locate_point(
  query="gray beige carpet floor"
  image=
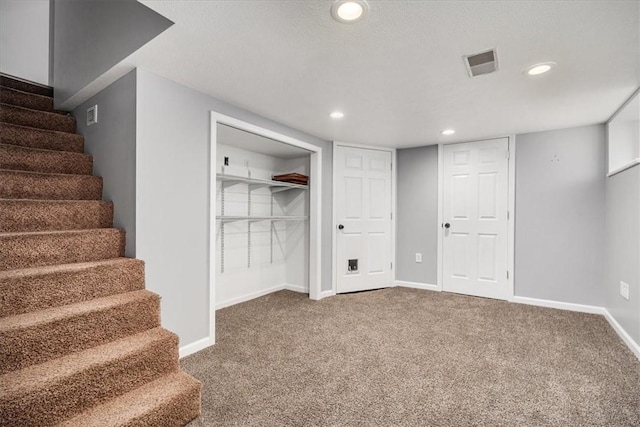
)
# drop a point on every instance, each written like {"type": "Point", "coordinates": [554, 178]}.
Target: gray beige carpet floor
{"type": "Point", "coordinates": [405, 357]}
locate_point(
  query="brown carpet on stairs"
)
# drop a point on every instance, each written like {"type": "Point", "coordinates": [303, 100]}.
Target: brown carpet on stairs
{"type": "Point", "coordinates": [406, 357]}
{"type": "Point", "coordinates": [80, 337]}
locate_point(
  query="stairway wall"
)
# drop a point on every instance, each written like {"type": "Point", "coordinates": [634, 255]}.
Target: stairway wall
{"type": "Point", "coordinates": [112, 142]}
{"type": "Point", "coordinates": [24, 49]}
{"type": "Point", "coordinates": [91, 37]}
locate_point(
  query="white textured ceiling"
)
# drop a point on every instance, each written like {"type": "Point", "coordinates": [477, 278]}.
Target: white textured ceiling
{"type": "Point", "coordinates": [399, 76]}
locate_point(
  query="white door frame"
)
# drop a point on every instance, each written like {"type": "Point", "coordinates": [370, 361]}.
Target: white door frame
{"type": "Point", "coordinates": [511, 207]}
{"type": "Point", "coordinates": [334, 223]}
{"type": "Point", "coordinates": [315, 194]}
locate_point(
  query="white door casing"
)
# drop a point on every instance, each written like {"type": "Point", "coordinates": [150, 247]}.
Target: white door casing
{"type": "Point", "coordinates": [363, 206]}
{"type": "Point", "coordinates": [475, 206]}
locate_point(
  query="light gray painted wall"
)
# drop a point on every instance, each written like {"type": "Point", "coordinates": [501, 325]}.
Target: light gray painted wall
{"type": "Point", "coordinates": [24, 39]}
{"type": "Point", "coordinates": [172, 216]}
{"type": "Point", "coordinates": [90, 37]}
{"type": "Point", "coordinates": [417, 214]}
{"type": "Point", "coordinates": [560, 215]}
{"type": "Point", "coordinates": [623, 249]}
{"type": "Point", "coordinates": [112, 142]}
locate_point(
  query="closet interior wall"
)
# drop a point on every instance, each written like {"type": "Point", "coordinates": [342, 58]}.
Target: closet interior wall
{"type": "Point", "coordinates": [257, 257]}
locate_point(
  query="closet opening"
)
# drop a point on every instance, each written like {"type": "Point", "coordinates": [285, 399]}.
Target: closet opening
{"type": "Point", "coordinates": [265, 194]}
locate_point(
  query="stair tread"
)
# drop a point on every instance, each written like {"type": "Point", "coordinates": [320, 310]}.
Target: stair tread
{"type": "Point", "coordinates": [42, 150]}
{"type": "Point", "coordinates": [46, 374]}
{"type": "Point", "coordinates": [48, 174]}
{"type": "Point", "coordinates": [52, 314]}
{"type": "Point", "coordinates": [72, 138]}
{"type": "Point", "coordinates": [14, 96]}
{"type": "Point", "coordinates": [56, 114]}
{"type": "Point", "coordinates": [61, 232]}
{"type": "Point", "coordinates": [136, 403]}
{"type": "Point", "coordinates": [10, 113]}
{"type": "Point", "coordinates": [49, 269]}
{"type": "Point", "coordinates": [28, 86]}
{"type": "Point", "coordinates": [27, 159]}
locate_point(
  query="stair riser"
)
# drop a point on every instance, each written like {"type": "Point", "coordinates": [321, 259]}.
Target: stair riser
{"type": "Point", "coordinates": [38, 138]}
{"type": "Point", "coordinates": [172, 400]}
{"type": "Point", "coordinates": [22, 347]}
{"type": "Point", "coordinates": [35, 250]}
{"type": "Point", "coordinates": [16, 185]}
{"type": "Point", "coordinates": [7, 81]}
{"type": "Point", "coordinates": [26, 293]}
{"type": "Point", "coordinates": [37, 119]}
{"type": "Point", "coordinates": [177, 412]}
{"type": "Point", "coordinates": [78, 391]}
{"type": "Point", "coordinates": [26, 100]}
{"type": "Point", "coordinates": [47, 161]}
{"type": "Point", "coordinates": [36, 215]}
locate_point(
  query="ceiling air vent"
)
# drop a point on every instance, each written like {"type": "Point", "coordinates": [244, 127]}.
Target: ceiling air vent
{"type": "Point", "coordinates": [481, 63]}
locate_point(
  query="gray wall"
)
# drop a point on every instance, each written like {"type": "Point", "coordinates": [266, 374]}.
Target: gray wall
{"type": "Point", "coordinates": [112, 142]}
{"type": "Point", "coordinates": [172, 216]}
{"type": "Point", "coordinates": [90, 37]}
{"type": "Point", "coordinates": [417, 214]}
{"type": "Point", "coordinates": [24, 39]}
{"type": "Point", "coordinates": [623, 249]}
{"type": "Point", "coordinates": [560, 215]}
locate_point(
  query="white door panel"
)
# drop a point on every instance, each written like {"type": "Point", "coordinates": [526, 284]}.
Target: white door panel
{"type": "Point", "coordinates": [475, 206]}
{"type": "Point", "coordinates": [363, 209]}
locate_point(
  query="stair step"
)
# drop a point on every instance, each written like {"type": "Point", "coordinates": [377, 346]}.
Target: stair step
{"type": "Point", "coordinates": [38, 288]}
{"type": "Point", "coordinates": [25, 85]}
{"type": "Point", "coordinates": [54, 391]}
{"type": "Point", "coordinates": [50, 161]}
{"type": "Point", "coordinates": [172, 400]}
{"type": "Point", "coordinates": [35, 249]}
{"type": "Point", "coordinates": [31, 137]}
{"type": "Point", "coordinates": [36, 337]}
{"type": "Point", "coordinates": [21, 215]}
{"type": "Point", "coordinates": [37, 119]}
{"type": "Point", "coordinates": [25, 99]}
{"type": "Point", "coordinates": [49, 186]}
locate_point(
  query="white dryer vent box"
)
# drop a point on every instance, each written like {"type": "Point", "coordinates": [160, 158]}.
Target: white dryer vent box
{"type": "Point", "coordinates": [481, 63]}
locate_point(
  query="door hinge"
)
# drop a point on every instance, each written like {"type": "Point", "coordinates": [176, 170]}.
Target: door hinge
{"type": "Point", "coordinates": [507, 214]}
{"type": "Point", "coordinates": [391, 215]}
{"type": "Point", "coordinates": [392, 266]}
{"type": "Point", "coordinates": [508, 154]}
{"type": "Point", "coordinates": [507, 274]}
{"type": "Point", "coordinates": [391, 166]}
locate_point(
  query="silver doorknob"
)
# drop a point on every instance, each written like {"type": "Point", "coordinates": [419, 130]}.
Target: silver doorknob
{"type": "Point", "coordinates": [447, 225]}
{"type": "Point", "coordinates": [340, 227]}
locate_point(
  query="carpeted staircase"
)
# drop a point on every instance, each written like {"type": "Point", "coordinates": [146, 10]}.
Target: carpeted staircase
{"type": "Point", "coordinates": [80, 337]}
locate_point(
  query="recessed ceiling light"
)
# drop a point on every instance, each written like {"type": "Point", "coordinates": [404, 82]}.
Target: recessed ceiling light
{"type": "Point", "coordinates": [540, 68]}
{"type": "Point", "coordinates": [336, 115]}
{"type": "Point", "coordinates": [349, 10]}
{"type": "Point", "coordinates": [448, 132]}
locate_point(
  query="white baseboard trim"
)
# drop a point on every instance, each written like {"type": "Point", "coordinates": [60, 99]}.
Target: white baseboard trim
{"type": "Point", "coordinates": [416, 285]}
{"type": "Point", "coordinates": [559, 305]}
{"type": "Point", "coordinates": [296, 288]}
{"type": "Point", "coordinates": [626, 338]}
{"type": "Point", "coordinates": [248, 297]}
{"type": "Point", "coordinates": [195, 347]}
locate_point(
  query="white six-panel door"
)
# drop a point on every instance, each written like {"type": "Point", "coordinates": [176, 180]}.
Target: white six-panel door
{"type": "Point", "coordinates": [475, 222]}
{"type": "Point", "coordinates": [363, 214]}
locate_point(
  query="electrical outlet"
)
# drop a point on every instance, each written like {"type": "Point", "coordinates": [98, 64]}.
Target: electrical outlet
{"type": "Point", "coordinates": [418, 257]}
{"type": "Point", "coordinates": [624, 290]}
